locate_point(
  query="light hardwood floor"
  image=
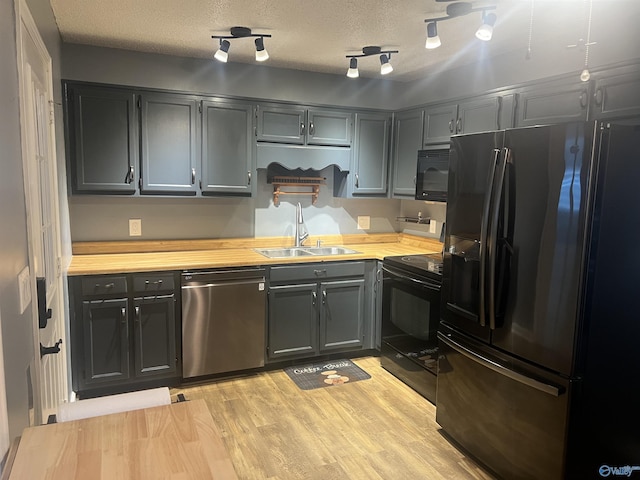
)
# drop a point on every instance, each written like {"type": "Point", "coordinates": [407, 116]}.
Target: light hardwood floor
{"type": "Point", "coordinates": [372, 429]}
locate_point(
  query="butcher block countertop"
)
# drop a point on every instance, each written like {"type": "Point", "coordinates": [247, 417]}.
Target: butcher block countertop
{"type": "Point", "coordinates": [90, 258]}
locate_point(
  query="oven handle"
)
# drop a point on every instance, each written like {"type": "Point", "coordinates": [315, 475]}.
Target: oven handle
{"type": "Point", "coordinates": [396, 273]}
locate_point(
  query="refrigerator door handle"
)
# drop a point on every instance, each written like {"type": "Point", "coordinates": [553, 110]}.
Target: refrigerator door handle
{"type": "Point", "coordinates": [484, 231]}
{"type": "Point", "coordinates": [492, 240]}
{"type": "Point", "coordinates": [502, 370]}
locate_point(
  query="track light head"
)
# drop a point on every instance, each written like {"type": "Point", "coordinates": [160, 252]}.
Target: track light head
{"type": "Point", "coordinates": [385, 66]}
{"type": "Point", "coordinates": [485, 32]}
{"type": "Point", "coordinates": [222, 55]}
{"type": "Point", "coordinates": [433, 40]}
{"type": "Point", "coordinates": [353, 68]}
{"type": "Point", "coordinates": [261, 52]}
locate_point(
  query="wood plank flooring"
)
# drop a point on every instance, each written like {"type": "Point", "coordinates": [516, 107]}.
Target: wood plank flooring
{"type": "Point", "coordinates": [372, 429]}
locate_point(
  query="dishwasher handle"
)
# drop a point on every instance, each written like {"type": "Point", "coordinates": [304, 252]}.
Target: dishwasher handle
{"type": "Point", "coordinates": [216, 276]}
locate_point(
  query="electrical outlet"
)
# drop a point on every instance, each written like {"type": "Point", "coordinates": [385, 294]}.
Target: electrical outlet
{"type": "Point", "coordinates": [433, 225]}
{"type": "Point", "coordinates": [135, 227]}
{"type": "Point", "coordinates": [364, 222]}
{"type": "Point", "coordinates": [24, 288]}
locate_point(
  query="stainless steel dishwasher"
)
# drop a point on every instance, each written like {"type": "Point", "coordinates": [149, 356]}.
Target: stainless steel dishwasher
{"type": "Point", "coordinates": [223, 321]}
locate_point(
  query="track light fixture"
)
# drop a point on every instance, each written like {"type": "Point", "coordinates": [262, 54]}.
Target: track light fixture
{"type": "Point", "coordinates": [459, 9]}
{"type": "Point", "coordinates": [385, 57]}
{"type": "Point", "coordinates": [241, 32]}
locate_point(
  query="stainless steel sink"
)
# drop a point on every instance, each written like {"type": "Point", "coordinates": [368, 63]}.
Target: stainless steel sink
{"type": "Point", "coordinates": [303, 251]}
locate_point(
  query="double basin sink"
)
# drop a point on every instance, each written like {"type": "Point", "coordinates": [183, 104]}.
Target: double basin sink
{"type": "Point", "coordinates": [303, 251]}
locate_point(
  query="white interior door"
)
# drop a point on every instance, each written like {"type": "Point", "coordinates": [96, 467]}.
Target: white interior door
{"type": "Point", "coordinates": [41, 192]}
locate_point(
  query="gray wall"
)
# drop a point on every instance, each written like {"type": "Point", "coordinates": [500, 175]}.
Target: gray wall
{"type": "Point", "coordinates": [17, 326]}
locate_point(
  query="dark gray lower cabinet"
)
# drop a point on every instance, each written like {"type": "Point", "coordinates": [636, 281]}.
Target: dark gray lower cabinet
{"type": "Point", "coordinates": [124, 332]}
{"type": "Point", "coordinates": [316, 309]}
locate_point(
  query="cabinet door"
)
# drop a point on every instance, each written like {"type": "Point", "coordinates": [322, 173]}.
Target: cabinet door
{"type": "Point", "coordinates": [617, 96]}
{"type": "Point", "coordinates": [552, 103]}
{"type": "Point", "coordinates": [407, 132]}
{"type": "Point", "coordinates": [371, 150]}
{"type": "Point", "coordinates": [293, 321]}
{"type": "Point", "coordinates": [326, 127]}
{"type": "Point", "coordinates": [281, 124]}
{"type": "Point", "coordinates": [440, 123]}
{"type": "Point", "coordinates": [103, 139]}
{"type": "Point", "coordinates": [105, 328]}
{"type": "Point", "coordinates": [169, 141]}
{"type": "Point", "coordinates": [342, 315]}
{"type": "Point", "coordinates": [227, 147]}
{"type": "Point", "coordinates": [480, 115]}
{"type": "Point", "coordinates": [154, 324]}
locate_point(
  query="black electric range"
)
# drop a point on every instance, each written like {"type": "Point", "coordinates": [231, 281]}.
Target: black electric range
{"type": "Point", "coordinates": [410, 318]}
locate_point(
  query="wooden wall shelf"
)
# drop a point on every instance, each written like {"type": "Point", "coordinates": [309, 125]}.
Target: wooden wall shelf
{"type": "Point", "coordinates": [296, 183]}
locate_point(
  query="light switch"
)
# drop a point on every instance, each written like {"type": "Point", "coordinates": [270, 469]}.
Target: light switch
{"type": "Point", "coordinates": [135, 227]}
{"type": "Point", "coordinates": [24, 288]}
{"type": "Point", "coordinates": [364, 222]}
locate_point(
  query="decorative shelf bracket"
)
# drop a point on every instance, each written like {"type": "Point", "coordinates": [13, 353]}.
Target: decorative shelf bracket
{"type": "Point", "coordinates": [296, 182]}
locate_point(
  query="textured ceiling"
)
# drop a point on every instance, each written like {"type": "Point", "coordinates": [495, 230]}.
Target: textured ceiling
{"type": "Point", "coordinates": [315, 35]}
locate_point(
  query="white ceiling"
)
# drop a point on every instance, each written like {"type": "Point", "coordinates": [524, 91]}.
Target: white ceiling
{"type": "Point", "coordinates": [315, 35]}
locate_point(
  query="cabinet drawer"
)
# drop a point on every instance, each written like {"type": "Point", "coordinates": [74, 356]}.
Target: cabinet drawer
{"type": "Point", "coordinates": [104, 285]}
{"type": "Point", "coordinates": [316, 271]}
{"type": "Point", "coordinates": [153, 282]}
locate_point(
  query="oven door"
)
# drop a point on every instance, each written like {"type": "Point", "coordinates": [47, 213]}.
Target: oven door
{"type": "Point", "coordinates": [410, 317]}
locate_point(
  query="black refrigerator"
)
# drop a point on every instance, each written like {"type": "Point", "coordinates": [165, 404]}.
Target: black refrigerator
{"type": "Point", "coordinates": [539, 365]}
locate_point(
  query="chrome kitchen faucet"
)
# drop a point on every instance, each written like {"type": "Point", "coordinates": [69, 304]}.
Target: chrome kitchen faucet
{"type": "Point", "coordinates": [301, 229]}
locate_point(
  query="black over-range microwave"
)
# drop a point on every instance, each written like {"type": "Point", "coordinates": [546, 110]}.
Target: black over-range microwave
{"type": "Point", "coordinates": [433, 175]}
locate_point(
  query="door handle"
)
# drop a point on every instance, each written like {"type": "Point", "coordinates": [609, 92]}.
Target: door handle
{"type": "Point", "coordinates": [49, 350]}
{"type": "Point", "coordinates": [137, 313]}
{"type": "Point", "coordinates": [312, 129]}
{"type": "Point", "coordinates": [598, 96]}
{"type": "Point", "coordinates": [130, 173]}
{"type": "Point", "coordinates": [324, 296]}
{"type": "Point", "coordinates": [451, 125]}
{"type": "Point", "coordinates": [314, 297]}
{"type": "Point", "coordinates": [193, 176]}
{"type": "Point", "coordinates": [302, 129]}
{"type": "Point", "coordinates": [502, 370]}
{"type": "Point", "coordinates": [459, 125]}
{"type": "Point", "coordinates": [357, 181]}
{"type": "Point", "coordinates": [248, 178]}
{"type": "Point", "coordinates": [44, 313]}
{"type": "Point", "coordinates": [123, 314]}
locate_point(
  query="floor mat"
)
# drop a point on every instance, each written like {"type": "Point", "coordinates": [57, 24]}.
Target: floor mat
{"type": "Point", "coordinates": [326, 374]}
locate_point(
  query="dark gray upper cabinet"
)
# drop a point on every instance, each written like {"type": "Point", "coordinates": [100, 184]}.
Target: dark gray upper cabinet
{"type": "Point", "coordinates": [102, 133]}
{"type": "Point", "coordinates": [553, 102]}
{"type": "Point", "coordinates": [303, 126]}
{"type": "Point", "coordinates": [440, 123]}
{"type": "Point", "coordinates": [481, 114]}
{"type": "Point", "coordinates": [616, 94]}
{"type": "Point", "coordinates": [169, 131]}
{"type": "Point", "coordinates": [407, 140]}
{"type": "Point", "coordinates": [227, 146]}
{"type": "Point", "coordinates": [371, 154]}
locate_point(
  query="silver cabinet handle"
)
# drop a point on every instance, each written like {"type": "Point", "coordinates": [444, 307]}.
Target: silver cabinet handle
{"type": "Point", "coordinates": [459, 125]}
{"type": "Point", "coordinates": [320, 272]}
{"type": "Point", "coordinates": [130, 174]}
{"type": "Point", "coordinates": [598, 96]}
{"type": "Point", "coordinates": [248, 178]}
{"type": "Point", "coordinates": [157, 282]}
{"type": "Point", "coordinates": [451, 125]}
{"type": "Point", "coordinates": [107, 286]}
{"type": "Point", "coordinates": [357, 181]}
{"type": "Point", "coordinates": [312, 129]}
{"type": "Point", "coordinates": [137, 312]}
{"type": "Point", "coordinates": [302, 129]}
{"type": "Point", "coordinates": [324, 296]}
{"type": "Point", "coordinates": [123, 314]}
{"type": "Point", "coordinates": [193, 176]}
{"type": "Point", "coordinates": [583, 99]}
{"type": "Point", "coordinates": [314, 297]}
